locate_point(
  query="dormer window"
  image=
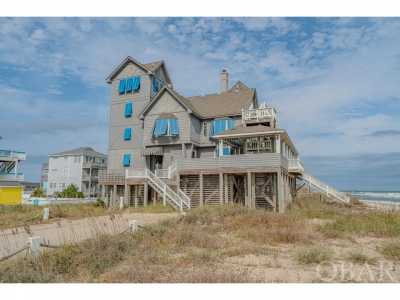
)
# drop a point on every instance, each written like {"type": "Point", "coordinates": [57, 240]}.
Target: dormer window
{"type": "Point", "coordinates": [166, 127]}
{"type": "Point", "coordinates": [220, 125]}
{"type": "Point", "coordinates": [156, 85]}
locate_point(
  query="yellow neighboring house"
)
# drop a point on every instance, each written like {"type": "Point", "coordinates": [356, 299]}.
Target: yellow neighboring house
{"type": "Point", "coordinates": [10, 195]}
{"type": "Point", "coordinates": [10, 187]}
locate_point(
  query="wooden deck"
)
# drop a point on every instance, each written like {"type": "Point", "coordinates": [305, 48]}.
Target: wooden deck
{"type": "Point", "coordinates": [243, 163]}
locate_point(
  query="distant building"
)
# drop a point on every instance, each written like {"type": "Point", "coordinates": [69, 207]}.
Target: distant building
{"type": "Point", "coordinates": [29, 187]}
{"type": "Point", "coordinates": [11, 177]}
{"type": "Point", "coordinates": [79, 167]}
{"type": "Point", "coordinates": [44, 176]}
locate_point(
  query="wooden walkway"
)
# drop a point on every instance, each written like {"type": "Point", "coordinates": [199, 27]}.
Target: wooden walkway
{"type": "Point", "coordinates": [73, 231]}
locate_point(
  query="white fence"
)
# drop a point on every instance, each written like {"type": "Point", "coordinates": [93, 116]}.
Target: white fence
{"type": "Point", "coordinates": [57, 201]}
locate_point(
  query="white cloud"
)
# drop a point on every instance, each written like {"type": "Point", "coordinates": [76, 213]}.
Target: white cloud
{"type": "Point", "coordinates": [281, 26]}
{"type": "Point", "coordinates": [326, 82]}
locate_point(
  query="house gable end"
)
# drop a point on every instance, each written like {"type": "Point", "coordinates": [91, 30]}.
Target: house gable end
{"type": "Point", "coordinates": [121, 67]}
{"type": "Point", "coordinates": [160, 96]}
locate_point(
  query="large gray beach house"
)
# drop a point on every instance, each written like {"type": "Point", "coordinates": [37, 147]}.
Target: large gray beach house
{"type": "Point", "coordinates": [192, 151]}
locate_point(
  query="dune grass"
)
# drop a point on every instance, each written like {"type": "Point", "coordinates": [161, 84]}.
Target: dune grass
{"type": "Point", "coordinates": [313, 255]}
{"type": "Point", "coordinates": [360, 258]}
{"type": "Point", "coordinates": [372, 223]}
{"type": "Point", "coordinates": [391, 250]}
{"type": "Point", "coordinates": [21, 215]}
{"type": "Point", "coordinates": [186, 249]}
{"type": "Point", "coordinates": [196, 247]}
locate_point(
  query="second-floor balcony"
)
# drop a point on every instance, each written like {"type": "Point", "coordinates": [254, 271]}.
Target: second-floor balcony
{"type": "Point", "coordinates": [295, 165]}
{"type": "Point", "coordinates": [4, 176]}
{"type": "Point", "coordinates": [259, 115]}
{"type": "Point", "coordinates": [10, 155]}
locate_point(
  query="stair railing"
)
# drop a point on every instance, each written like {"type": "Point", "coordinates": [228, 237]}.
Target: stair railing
{"type": "Point", "coordinates": [326, 188]}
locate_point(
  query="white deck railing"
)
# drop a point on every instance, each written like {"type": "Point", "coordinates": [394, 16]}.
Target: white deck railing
{"type": "Point", "coordinates": [166, 173]}
{"type": "Point", "coordinates": [258, 114]}
{"type": "Point", "coordinates": [295, 165]}
{"type": "Point", "coordinates": [326, 189]}
{"type": "Point", "coordinates": [11, 177]}
{"type": "Point", "coordinates": [12, 155]}
{"type": "Point", "coordinates": [177, 199]}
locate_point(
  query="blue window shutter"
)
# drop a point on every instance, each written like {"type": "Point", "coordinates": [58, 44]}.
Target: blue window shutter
{"type": "Point", "coordinates": [220, 125]}
{"type": "Point", "coordinates": [230, 123]}
{"type": "Point", "coordinates": [155, 85]}
{"type": "Point", "coordinates": [126, 160]}
{"type": "Point", "coordinates": [136, 83]}
{"type": "Point", "coordinates": [121, 87]}
{"type": "Point", "coordinates": [174, 127]}
{"type": "Point", "coordinates": [226, 150]}
{"type": "Point", "coordinates": [127, 134]}
{"type": "Point", "coordinates": [129, 84]}
{"type": "Point", "coordinates": [128, 109]}
{"type": "Point", "coordinates": [160, 127]}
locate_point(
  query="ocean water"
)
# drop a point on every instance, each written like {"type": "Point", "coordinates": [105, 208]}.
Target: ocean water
{"type": "Point", "coordinates": [377, 196]}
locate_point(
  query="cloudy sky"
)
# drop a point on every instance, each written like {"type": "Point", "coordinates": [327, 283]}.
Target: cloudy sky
{"type": "Point", "coordinates": [334, 81]}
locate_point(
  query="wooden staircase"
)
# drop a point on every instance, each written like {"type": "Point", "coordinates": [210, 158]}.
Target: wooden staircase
{"type": "Point", "coordinates": [170, 194]}
{"type": "Point", "coordinates": [330, 192]}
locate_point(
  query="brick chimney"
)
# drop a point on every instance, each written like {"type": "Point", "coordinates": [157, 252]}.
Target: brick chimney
{"type": "Point", "coordinates": [224, 80]}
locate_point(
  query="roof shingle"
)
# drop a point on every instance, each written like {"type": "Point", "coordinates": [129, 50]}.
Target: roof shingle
{"type": "Point", "coordinates": [79, 151]}
{"type": "Point", "coordinates": [227, 103]}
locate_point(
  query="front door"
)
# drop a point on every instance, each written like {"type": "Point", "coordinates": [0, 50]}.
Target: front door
{"type": "Point", "coordinates": [155, 162]}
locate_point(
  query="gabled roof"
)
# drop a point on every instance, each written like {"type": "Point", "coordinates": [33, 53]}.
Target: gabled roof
{"type": "Point", "coordinates": [229, 103]}
{"type": "Point", "coordinates": [79, 151]}
{"type": "Point", "coordinates": [179, 98]}
{"type": "Point", "coordinates": [150, 68]}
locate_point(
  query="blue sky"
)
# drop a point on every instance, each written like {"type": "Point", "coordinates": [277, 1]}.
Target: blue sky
{"type": "Point", "coordinates": [334, 81]}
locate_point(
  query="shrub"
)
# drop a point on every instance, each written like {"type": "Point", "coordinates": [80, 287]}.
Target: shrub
{"type": "Point", "coordinates": [70, 191]}
{"type": "Point", "coordinates": [100, 203]}
{"type": "Point", "coordinates": [314, 255]}
{"type": "Point", "coordinates": [38, 192]}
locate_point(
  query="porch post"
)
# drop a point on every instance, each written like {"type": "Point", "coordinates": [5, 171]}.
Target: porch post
{"type": "Point", "coordinates": [115, 196]}
{"type": "Point", "coordinates": [221, 148]}
{"type": "Point", "coordinates": [183, 150]}
{"type": "Point", "coordinates": [278, 143]}
{"type": "Point", "coordinates": [226, 188]}
{"type": "Point", "coordinates": [126, 194]}
{"type": "Point", "coordinates": [201, 189]}
{"type": "Point", "coordinates": [253, 190]}
{"type": "Point", "coordinates": [249, 190]}
{"type": "Point", "coordinates": [221, 188]}
{"type": "Point", "coordinates": [146, 193]}
{"type": "Point", "coordinates": [281, 196]}
{"type": "Point", "coordinates": [103, 192]}
{"type": "Point", "coordinates": [136, 187]}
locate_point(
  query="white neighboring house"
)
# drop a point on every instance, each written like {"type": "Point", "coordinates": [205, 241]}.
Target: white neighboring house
{"type": "Point", "coordinates": [79, 167]}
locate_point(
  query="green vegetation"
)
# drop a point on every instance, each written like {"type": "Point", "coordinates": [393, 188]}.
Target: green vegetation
{"type": "Point", "coordinates": [371, 223]}
{"type": "Point", "coordinates": [38, 192]}
{"type": "Point", "coordinates": [70, 191]}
